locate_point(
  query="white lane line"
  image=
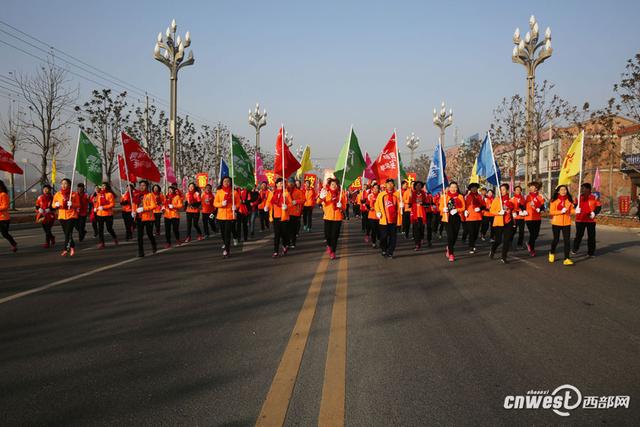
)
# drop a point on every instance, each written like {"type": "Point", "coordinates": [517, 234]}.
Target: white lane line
{"type": "Point", "coordinates": [527, 262]}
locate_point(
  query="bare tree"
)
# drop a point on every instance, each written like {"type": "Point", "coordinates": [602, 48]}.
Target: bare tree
{"type": "Point", "coordinates": [509, 131]}
{"type": "Point", "coordinates": [629, 89]}
{"type": "Point", "coordinates": [48, 98]}
{"type": "Point", "coordinates": [12, 133]}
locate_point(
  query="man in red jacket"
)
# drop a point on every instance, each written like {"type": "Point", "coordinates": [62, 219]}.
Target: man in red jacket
{"type": "Point", "coordinates": [588, 207]}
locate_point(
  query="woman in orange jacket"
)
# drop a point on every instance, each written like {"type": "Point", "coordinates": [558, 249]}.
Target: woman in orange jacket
{"type": "Point", "coordinates": [192, 201]}
{"type": "Point", "coordinates": [103, 208]}
{"type": "Point", "coordinates": [45, 215]}
{"type": "Point", "coordinates": [4, 216]}
{"type": "Point", "coordinates": [334, 202]}
{"type": "Point", "coordinates": [208, 211]}
{"type": "Point", "coordinates": [519, 214]}
{"type": "Point", "coordinates": [589, 206]}
{"type": "Point", "coordinates": [295, 211]}
{"type": "Point", "coordinates": [389, 206]}
{"type": "Point", "coordinates": [127, 217]}
{"type": "Point", "coordinates": [226, 202]}
{"type": "Point", "coordinates": [473, 213]}
{"type": "Point", "coordinates": [172, 206]}
{"type": "Point", "coordinates": [418, 212]}
{"type": "Point", "coordinates": [560, 208]}
{"type": "Point", "coordinates": [67, 203]}
{"type": "Point", "coordinates": [452, 207]}
{"type": "Point", "coordinates": [534, 203]}
{"type": "Point", "coordinates": [264, 214]}
{"type": "Point", "coordinates": [144, 203]}
{"type": "Point", "coordinates": [278, 205]}
{"type": "Point", "coordinates": [157, 212]}
{"type": "Point", "coordinates": [309, 201]}
{"type": "Point", "coordinates": [487, 216]}
{"type": "Point", "coordinates": [373, 227]}
{"type": "Point", "coordinates": [503, 209]}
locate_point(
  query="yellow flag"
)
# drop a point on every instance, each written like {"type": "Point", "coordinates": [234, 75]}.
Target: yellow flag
{"type": "Point", "coordinates": [474, 178]}
{"type": "Point", "coordinates": [305, 162]}
{"type": "Point", "coordinates": [53, 171]}
{"type": "Point", "coordinates": [572, 163]}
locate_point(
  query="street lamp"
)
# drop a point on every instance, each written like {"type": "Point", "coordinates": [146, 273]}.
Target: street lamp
{"type": "Point", "coordinates": [530, 52]}
{"type": "Point", "coordinates": [412, 143]}
{"type": "Point", "coordinates": [170, 51]}
{"type": "Point", "coordinates": [288, 139]}
{"type": "Point", "coordinates": [442, 120]}
{"type": "Point", "coordinates": [258, 120]}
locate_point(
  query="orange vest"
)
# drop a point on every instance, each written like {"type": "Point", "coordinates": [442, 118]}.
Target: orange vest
{"type": "Point", "coordinates": [309, 197]}
{"type": "Point", "coordinates": [331, 211]}
{"type": "Point", "coordinates": [559, 218]}
{"type": "Point", "coordinates": [473, 201]}
{"type": "Point", "coordinates": [299, 197]}
{"type": "Point", "coordinates": [159, 202]}
{"type": "Point", "coordinates": [533, 203]}
{"type": "Point", "coordinates": [148, 205]}
{"type": "Point", "coordinates": [381, 207]}
{"type": "Point", "coordinates": [507, 206]}
{"type": "Point", "coordinates": [444, 201]}
{"type": "Point", "coordinates": [63, 212]}
{"type": "Point", "coordinates": [225, 213]}
{"type": "Point", "coordinates": [107, 205]}
{"type": "Point", "coordinates": [176, 201]}
{"type": "Point", "coordinates": [207, 202]}
{"type": "Point", "coordinates": [4, 207]}
{"type": "Point", "coordinates": [275, 209]}
{"type": "Point", "coordinates": [126, 206]}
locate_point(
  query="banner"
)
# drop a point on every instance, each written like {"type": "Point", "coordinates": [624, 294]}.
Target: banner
{"type": "Point", "coordinates": [88, 160]}
{"type": "Point", "coordinates": [411, 178]}
{"type": "Point", "coordinates": [271, 177]}
{"type": "Point", "coordinates": [202, 179]}
{"type": "Point", "coordinates": [356, 184]}
{"type": "Point", "coordinates": [8, 164]}
{"type": "Point", "coordinates": [312, 178]}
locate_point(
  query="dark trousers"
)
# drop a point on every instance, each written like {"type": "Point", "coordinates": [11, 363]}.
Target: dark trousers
{"type": "Point", "coordinates": [281, 231]}
{"type": "Point", "coordinates": [141, 227]}
{"type": "Point", "coordinates": [487, 223]}
{"type": "Point", "coordinates": [81, 225]}
{"type": "Point", "coordinates": [453, 228]}
{"type": "Point", "coordinates": [534, 232]}
{"type": "Point", "coordinates": [374, 230]}
{"type": "Point", "coordinates": [128, 224]}
{"type": "Point", "coordinates": [418, 231]}
{"type": "Point", "coordinates": [365, 221]}
{"type": "Point", "coordinates": [4, 230]}
{"type": "Point", "coordinates": [294, 228]}
{"type": "Point", "coordinates": [429, 226]}
{"type": "Point", "coordinates": [388, 238]}
{"type": "Point", "coordinates": [504, 236]}
{"type": "Point", "coordinates": [591, 236]}
{"type": "Point", "coordinates": [157, 217]}
{"type": "Point", "coordinates": [47, 226]}
{"type": "Point", "coordinates": [473, 228]}
{"type": "Point", "coordinates": [520, 231]}
{"type": "Point", "coordinates": [406, 223]}
{"type": "Point", "coordinates": [193, 218]}
{"type": "Point", "coordinates": [307, 215]}
{"type": "Point", "coordinates": [242, 226]}
{"type": "Point", "coordinates": [67, 226]}
{"type": "Point", "coordinates": [346, 211]}
{"type": "Point", "coordinates": [437, 223]}
{"type": "Point", "coordinates": [566, 237]}
{"type": "Point", "coordinates": [208, 222]}
{"type": "Point", "coordinates": [108, 221]}
{"type": "Point", "coordinates": [465, 231]}
{"type": "Point", "coordinates": [226, 229]}
{"type": "Point", "coordinates": [94, 226]}
{"type": "Point", "coordinates": [172, 224]}
{"type": "Point", "coordinates": [264, 220]}
{"type": "Point", "coordinates": [332, 233]}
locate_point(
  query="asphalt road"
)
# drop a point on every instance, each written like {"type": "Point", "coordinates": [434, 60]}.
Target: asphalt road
{"type": "Point", "coordinates": [187, 338]}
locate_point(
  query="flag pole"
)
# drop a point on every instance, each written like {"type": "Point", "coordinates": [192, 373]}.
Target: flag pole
{"type": "Point", "coordinates": [119, 178]}
{"type": "Point", "coordinates": [73, 167]}
{"type": "Point", "coordinates": [401, 197]}
{"type": "Point", "coordinates": [126, 171]}
{"type": "Point", "coordinates": [346, 158]}
{"type": "Point", "coordinates": [233, 178]}
{"type": "Point", "coordinates": [495, 169]}
{"type": "Point", "coordinates": [284, 178]}
{"type": "Point", "coordinates": [581, 161]}
{"type": "Point", "coordinates": [164, 160]}
{"type": "Point", "coordinates": [440, 149]}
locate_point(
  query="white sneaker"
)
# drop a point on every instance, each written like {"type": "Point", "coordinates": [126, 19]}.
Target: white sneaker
{"type": "Point", "coordinates": [235, 242]}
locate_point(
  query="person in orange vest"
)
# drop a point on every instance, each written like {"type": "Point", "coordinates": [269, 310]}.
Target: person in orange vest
{"type": "Point", "coordinates": [417, 212]}
{"type": "Point", "coordinates": [103, 208]}
{"type": "Point", "coordinates": [67, 203]}
{"type": "Point", "coordinates": [127, 217]}
{"type": "Point", "coordinates": [172, 206]}
{"type": "Point", "coordinates": [192, 201]}
{"type": "Point", "coordinates": [83, 211]}
{"type": "Point", "coordinates": [45, 215]}
{"type": "Point", "coordinates": [519, 214]}
{"type": "Point", "coordinates": [295, 212]}
{"type": "Point", "coordinates": [373, 229]}
{"type": "Point", "coordinates": [534, 203]}
{"type": "Point", "coordinates": [334, 203]}
{"type": "Point", "coordinates": [405, 195]}
{"type": "Point", "coordinates": [144, 204]}
{"type": "Point", "coordinates": [226, 202]}
{"type": "Point", "coordinates": [560, 208]}
{"type": "Point", "coordinates": [503, 209]}
{"type": "Point", "coordinates": [307, 209]}
{"type": "Point", "coordinates": [157, 212]}
{"type": "Point", "coordinates": [208, 215]}
{"type": "Point", "coordinates": [361, 199]}
{"type": "Point", "coordinates": [588, 207]}
{"type": "Point", "coordinates": [487, 216]}
{"type": "Point", "coordinates": [4, 216]}
{"type": "Point", "coordinates": [278, 205]}
{"type": "Point", "coordinates": [474, 214]}
{"type": "Point", "coordinates": [242, 215]}
{"type": "Point", "coordinates": [264, 215]}
{"type": "Point", "coordinates": [452, 207]}
{"type": "Point", "coordinates": [389, 206]}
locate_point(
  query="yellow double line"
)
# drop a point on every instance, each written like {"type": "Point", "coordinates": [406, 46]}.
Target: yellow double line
{"type": "Point", "coordinates": [332, 405]}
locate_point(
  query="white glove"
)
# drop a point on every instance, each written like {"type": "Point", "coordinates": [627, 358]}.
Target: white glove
{"type": "Point", "coordinates": [234, 208]}
{"type": "Point", "coordinates": [47, 210]}
{"type": "Point", "coordinates": [578, 210]}
{"type": "Point", "coordinates": [56, 205]}
{"type": "Point", "coordinates": [401, 205]}
{"type": "Point", "coordinates": [140, 210]}
{"type": "Point", "coordinates": [564, 210]}
{"type": "Point", "coordinates": [524, 213]}
{"type": "Point", "coordinates": [445, 210]}
{"type": "Point", "coordinates": [69, 204]}
{"type": "Point", "coordinates": [538, 210]}
{"type": "Point", "coordinates": [592, 215]}
{"type": "Point", "coordinates": [133, 215]}
{"type": "Point", "coordinates": [170, 206]}
{"type": "Point", "coordinates": [323, 193]}
{"type": "Point", "coordinates": [501, 212]}
{"type": "Point", "coordinates": [212, 217]}
{"type": "Point", "coordinates": [284, 207]}
{"type": "Point", "coordinates": [453, 211]}
{"type": "Point", "coordinates": [476, 209]}
{"type": "Point", "coordinates": [41, 210]}
{"type": "Point", "coordinates": [339, 205]}
{"type": "Point", "coordinates": [100, 208]}
{"type": "Point", "coordinates": [379, 214]}
{"type": "Point", "coordinates": [266, 209]}
{"type": "Point", "coordinates": [294, 203]}
{"type": "Point", "coordinates": [224, 203]}
{"type": "Point", "coordinates": [466, 213]}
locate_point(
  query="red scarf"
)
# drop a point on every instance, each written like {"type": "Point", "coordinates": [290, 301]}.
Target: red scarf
{"type": "Point", "coordinates": [519, 201]}
{"type": "Point", "coordinates": [103, 197]}
{"type": "Point", "coordinates": [561, 201]}
{"type": "Point", "coordinates": [278, 197]}
{"type": "Point", "coordinates": [191, 197]}
{"type": "Point", "coordinates": [533, 198]}
{"type": "Point", "coordinates": [454, 197]}
{"type": "Point", "coordinates": [65, 197]}
{"type": "Point", "coordinates": [158, 197]}
{"type": "Point", "coordinates": [46, 200]}
{"type": "Point", "coordinates": [140, 197]}
{"type": "Point", "coordinates": [390, 205]}
{"type": "Point", "coordinates": [507, 204]}
{"type": "Point", "coordinates": [335, 196]}
{"type": "Point", "coordinates": [227, 194]}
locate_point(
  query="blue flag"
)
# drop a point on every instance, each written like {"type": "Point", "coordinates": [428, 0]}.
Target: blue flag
{"type": "Point", "coordinates": [224, 170]}
{"type": "Point", "coordinates": [487, 165]}
{"type": "Point", "coordinates": [437, 175]}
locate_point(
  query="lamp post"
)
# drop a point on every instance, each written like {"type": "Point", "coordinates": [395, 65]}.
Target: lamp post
{"type": "Point", "coordinates": [442, 120]}
{"type": "Point", "coordinates": [288, 139]}
{"type": "Point", "coordinates": [258, 120]}
{"type": "Point", "coordinates": [412, 143]}
{"type": "Point", "coordinates": [530, 52]}
{"type": "Point", "coordinates": [170, 50]}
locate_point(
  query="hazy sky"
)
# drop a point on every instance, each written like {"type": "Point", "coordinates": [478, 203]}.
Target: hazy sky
{"type": "Point", "coordinates": [320, 67]}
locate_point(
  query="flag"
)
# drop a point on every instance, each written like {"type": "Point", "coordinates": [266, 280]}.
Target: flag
{"type": "Point", "coordinates": [8, 164]}
{"type": "Point", "coordinates": [271, 177]}
{"type": "Point", "coordinates": [368, 172]}
{"type": "Point", "coordinates": [138, 161]}
{"type": "Point", "coordinates": [241, 165]}
{"type": "Point", "coordinates": [288, 162]}
{"type": "Point", "coordinates": [305, 163]}
{"type": "Point", "coordinates": [350, 164]}
{"type": "Point", "coordinates": [486, 164]}
{"type": "Point", "coordinates": [88, 160]}
{"type": "Point", "coordinates": [386, 165]}
{"type": "Point", "coordinates": [596, 180]}
{"type": "Point", "coordinates": [474, 178]}
{"type": "Point", "coordinates": [53, 171]}
{"type": "Point", "coordinates": [437, 178]}
{"type": "Point", "coordinates": [403, 173]}
{"type": "Point", "coordinates": [224, 171]}
{"type": "Point", "coordinates": [185, 184]}
{"type": "Point", "coordinates": [572, 163]}
{"type": "Point", "coordinates": [122, 169]}
{"type": "Point", "coordinates": [169, 174]}
{"type": "Point", "coordinates": [261, 176]}
{"type": "Point", "coordinates": [312, 178]}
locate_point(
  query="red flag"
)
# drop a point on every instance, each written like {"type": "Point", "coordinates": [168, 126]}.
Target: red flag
{"type": "Point", "coordinates": [386, 165]}
{"type": "Point", "coordinates": [121, 168]}
{"type": "Point", "coordinates": [7, 163]}
{"type": "Point", "coordinates": [291, 164]}
{"type": "Point", "coordinates": [138, 161]}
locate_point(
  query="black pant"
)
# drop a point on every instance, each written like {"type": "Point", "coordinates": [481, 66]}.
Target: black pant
{"type": "Point", "coordinates": [81, 226]}
{"type": "Point", "coordinates": [374, 230]}
{"type": "Point", "coordinates": [346, 211]}
{"type": "Point", "coordinates": [520, 230]}
{"type": "Point", "coordinates": [208, 222]}
{"type": "Point", "coordinates": [94, 225]}
{"type": "Point", "coordinates": [365, 221]}
{"type": "Point", "coordinates": [566, 237]}
{"type": "Point", "coordinates": [332, 233]}
{"type": "Point", "coordinates": [108, 221]}
{"type": "Point", "coordinates": [437, 223]}
{"type": "Point", "coordinates": [503, 235]}
{"type": "Point", "coordinates": [294, 227]}
{"type": "Point", "coordinates": [465, 231]}
{"type": "Point", "coordinates": [141, 227]}
{"type": "Point", "coordinates": [281, 231]}
{"type": "Point", "coordinates": [487, 223]}
{"type": "Point", "coordinates": [388, 238]}
{"type": "Point", "coordinates": [128, 224]}
{"type": "Point", "coordinates": [418, 231]}
{"type": "Point", "coordinates": [193, 218]}
{"type": "Point", "coordinates": [226, 229]}
{"type": "Point", "coordinates": [264, 220]}
{"type": "Point", "coordinates": [453, 228]}
{"type": "Point", "coordinates": [406, 222]}
{"type": "Point", "coordinates": [242, 226]}
{"type": "Point", "coordinates": [591, 236]}
{"type": "Point", "coordinates": [157, 217]}
{"type": "Point", "coordinates": [172, 224]}
{"type": "Point", "coordinates": [47, 226]}
{"type": "Point", "coordinates": [473, 228]}
{"type": "Point", "coordinates": [534, 232]}
{"type": "Point", "coordinates": [4, 230]}
{"type": "Point", "coordinates": [67, 226]}
{"type": "Point", "coordinates": [307, 215]}
{"type": "Point", "coordinates": [429, 224]}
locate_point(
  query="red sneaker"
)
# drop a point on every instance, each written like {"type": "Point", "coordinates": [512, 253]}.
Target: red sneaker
{"type": "Point", "coordinates": [46, 245]}
{"type": "Point", "coordinates": [332, 255]}
{"type": "Point", "coordinates": [187, 240]}
{"type": "Point", "coordinates": [285, 250]}
{"type": "Point", "coordinates": [451, 258]}
{"type": "Point", "coordinates": [274, 255]}
{"type": "Point", "coordinates": [167, 245]}
{"type": "Point", "coordinates": [200, 237]}
{"type": "Point", "coordinates": [14, 248]}
{"type": "Point", "coordinates": [64, 253]}
{"type": "Point", "coordinates": [100, 245]}
{"type": "Point", "coordinates": [225, 253]}
{"type": "Point", "coordinates": [366, 239]}
{"type": "Point", "coordinates": [328, 251]}
{"type": "Point", "coordinates": [72, 251]}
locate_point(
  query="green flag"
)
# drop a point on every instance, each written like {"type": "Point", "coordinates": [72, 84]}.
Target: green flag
{"type": "Point", "coordinates": [403, 173]}
{"type": "Point", "coordinates": [350, 164]}
{"type": "Point", "coordinates": [241, 165]}
{"type": "Point", "coordinates": [88, 161]}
